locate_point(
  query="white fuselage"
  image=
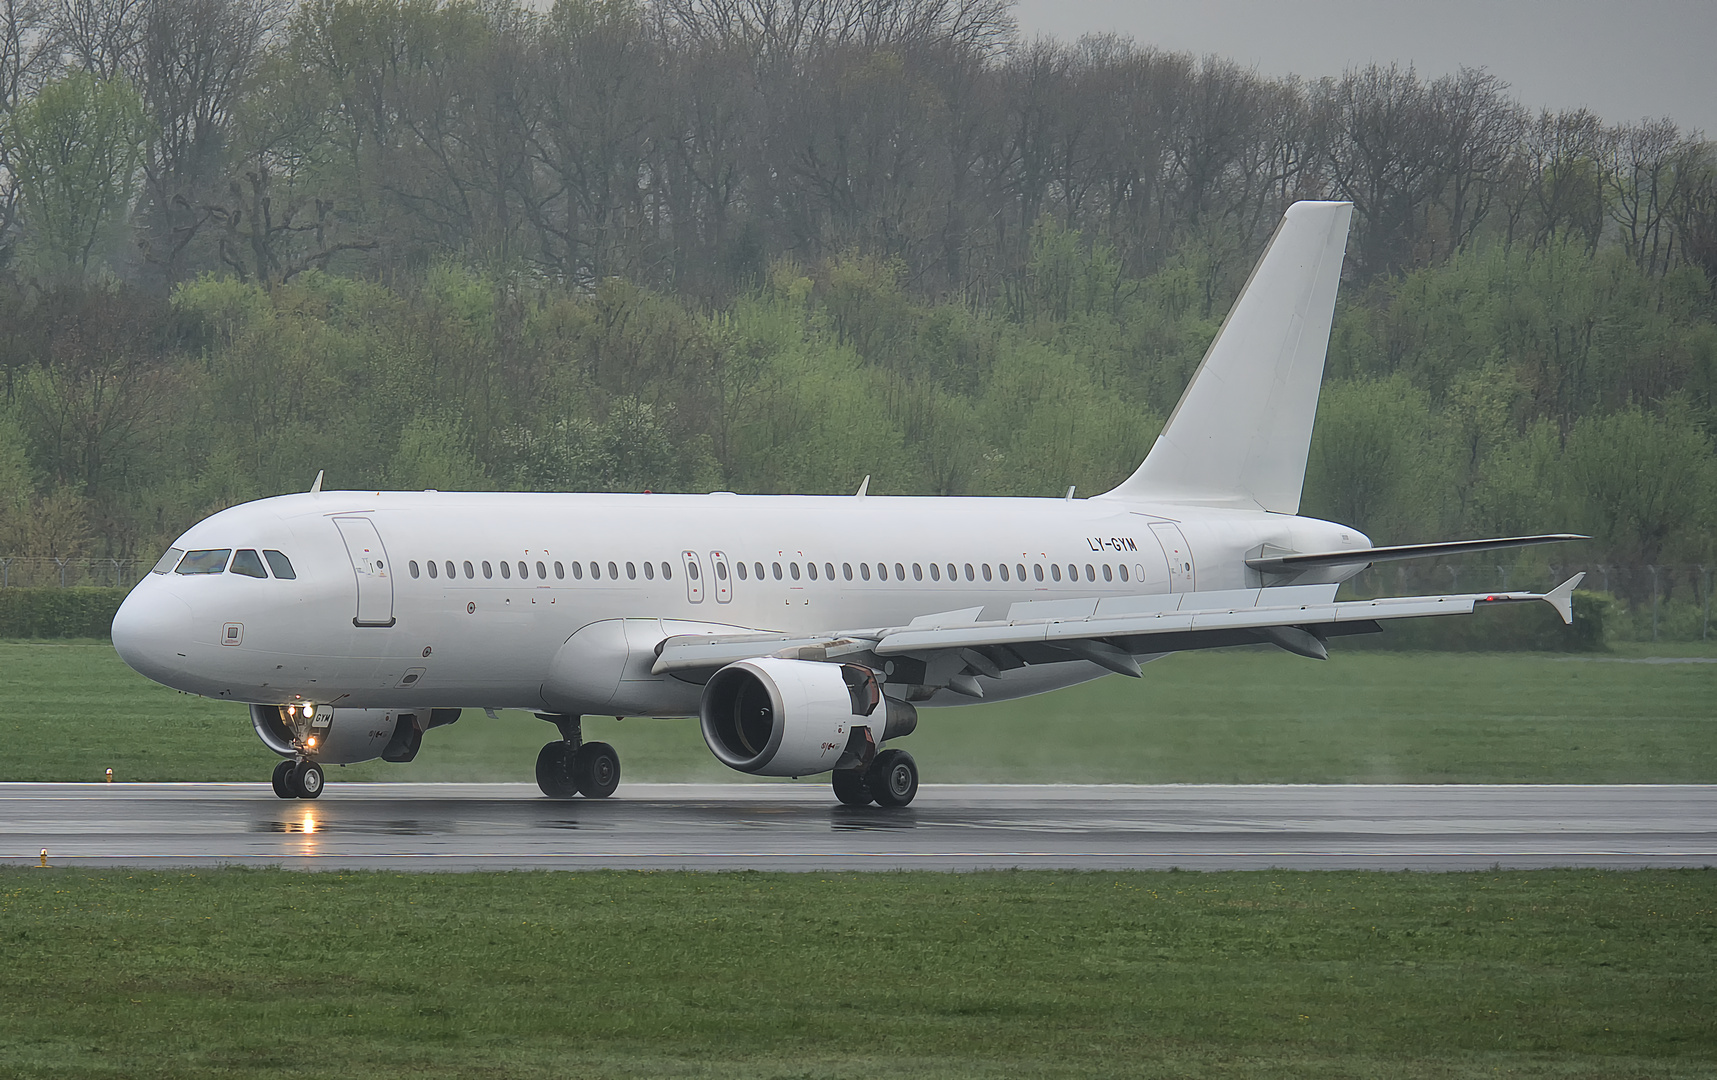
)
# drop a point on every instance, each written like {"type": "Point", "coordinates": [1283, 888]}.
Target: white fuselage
{"type": "Point", "coordinates": [534, 640]}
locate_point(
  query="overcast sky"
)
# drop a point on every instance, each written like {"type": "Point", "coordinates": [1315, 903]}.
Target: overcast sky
{"type": "Point", "coordinates": [1623, 59]}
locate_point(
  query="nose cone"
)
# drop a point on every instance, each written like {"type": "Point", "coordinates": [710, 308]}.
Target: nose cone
{"type": "Point", "coordinates": [151, 631]}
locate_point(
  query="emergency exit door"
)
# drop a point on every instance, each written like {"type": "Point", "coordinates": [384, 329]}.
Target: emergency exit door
{"type": "Point", "coordinates": [370, 566]}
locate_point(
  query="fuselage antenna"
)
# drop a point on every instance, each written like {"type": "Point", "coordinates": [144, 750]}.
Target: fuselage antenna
{"type": "Point", "coordinates": [864, 487]}
{"type": "Point", "coordinates": [1070, 488]}
{"type": "Point", "coordinates": [316, 487]}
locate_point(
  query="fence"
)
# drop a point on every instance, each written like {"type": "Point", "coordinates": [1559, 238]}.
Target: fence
{"type": "Point", "coordinates": [1639, 588]}
{"type": "Point", "coordinates": [1645, 593]}
{"type": "Point", "coordinates": [27, 572]}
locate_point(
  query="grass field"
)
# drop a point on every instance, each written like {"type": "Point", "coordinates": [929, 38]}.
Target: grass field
{"type": "Point", "coordinates": [69, 710]}
{"type": "Point", "coordinates": [273, 973]}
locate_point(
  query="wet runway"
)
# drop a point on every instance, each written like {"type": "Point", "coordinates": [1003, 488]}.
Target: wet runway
{"type": "Point", "coordinates": [800, 827]}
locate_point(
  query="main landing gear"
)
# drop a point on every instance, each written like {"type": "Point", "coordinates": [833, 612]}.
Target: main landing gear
{"type": "Point", "coordinates": [891, 781]}
{"type": "Point", "coordinates": [574, 767]}
{"type": "Point", "coordinates": [297, 779]}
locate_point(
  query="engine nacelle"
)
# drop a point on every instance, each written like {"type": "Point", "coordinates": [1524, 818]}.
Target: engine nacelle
{"type": "Point", "coordinates": [346, 736]}
{"type": "Point", "coordinates": [776, 717]}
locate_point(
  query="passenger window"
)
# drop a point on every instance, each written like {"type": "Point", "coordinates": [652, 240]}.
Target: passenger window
{"type": "Point", "coordinates": [649, 571]}
{"type": "Point", "coordinates": [281, 565]}
{"type": "Point", "coordinates": [847, 570]}
{"type": "Point", "coordinates": [917, 572]}
{"type": "Point", "coordinates": [248, 563]}
{"type": "Point", "coordinates": [559, 571]}
{"type": "Point", "coordinates": [721, 571]}
{"type": "Point", "coordinates": [578, 571]}
{"type": "Point", "coordinates": [488, 569]}
{"type": "Point", "coordinates": [595, 570]}
{"type": "Point", "coordinates": [1019, 570]}
{"type": "Point", "coordinates": [211, 561]}
{"type": "Point", "coordinates": [168, 561]}
{"type": "Point", "coordinates": [1123, 571]}
{"type": "Point", "coordinates": [1055, 571]}
{"type": "Point", "coordinates": [1037, 571]}
{"type": "Point", "coordinates": [777, 569]}
{"type": "Point", "coordinates": [542, 571]}
{"type": "Point", "coordinates": [691, 570]}
{"type": "Point", "coordinates": [935, 572]}
{"type": "Point", "coordinates": [471, 571]}
{"type": "Point", "coordinates": [1108, 575]}
{"type": "Point", "coordinates": [631, 571]}
{"type": "Point", "coordinates": [743, 572]}
{"type": "Point", "coordinates": [1072, 572]}
{"type": "Point", "coordinates": [412, 566]}
{"type": "Point", "coordinates": [811, 570]}
{"type": "Point", "coordinates": [613, 571]}
{"type": "Point", "coordinates": [1090, 573]}
{"type": "Point", "coordinates": [451, 572]}
{"type": "Point", "coordinates": [987, 572]}
{"type": "Point", "coordinates": [864, 570]}
{"type": "Point", "coordinates": [793, 568]}
{"type": "Point", "coordinates": [524, 570]}
{"type": "Point", "coordinates": [667, 572]}
{"type": "Point", "coordinates": [506, 570]}
{"type": "Point", "coordinates": [899, 572]}
{"type": "Point", "coordinates": [433, 572]}
{"type": "Point", "coordinates": [1003, 569]}
{"type": "Point", "coordinates": [829, 570]}
{"type": "Point", "coordinates": [882, 571]}
{"type": "Point", "coordinates": [953, 572]}
{"type": "Point", "coordinates": [970, 576]}
{"type": "Point", "coordinates": [757, 570]}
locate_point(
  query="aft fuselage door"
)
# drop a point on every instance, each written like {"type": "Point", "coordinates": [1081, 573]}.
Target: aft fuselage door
{"type": "Point", "coordinates": [370, 565]}
{"type": "Point", "coordinates": [694, 576]}
{"type": "Point", "coordinates": [1183, 572]}
{"type": "Point", "coordinates": [723, 580]}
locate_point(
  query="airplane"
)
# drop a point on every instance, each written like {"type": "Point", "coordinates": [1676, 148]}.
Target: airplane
{"type": "Point", "coordinates": [804, 632]}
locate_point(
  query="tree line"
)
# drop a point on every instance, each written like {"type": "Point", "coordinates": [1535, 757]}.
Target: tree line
{"type": "Point", "coordinates": [781, 244]}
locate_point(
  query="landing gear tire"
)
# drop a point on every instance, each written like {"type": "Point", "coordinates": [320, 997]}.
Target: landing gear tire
{"type": "Point", "coordinates": [597, 769]}
{"type": "Point", "coordinates": [893, 778]}
{"type": "Point", "coordinates": [850, 787]}
{"type": "Point", "coordinates": [554, 770]}
{"type": "Point", "coordinates": [282, 782]}
{"type": "Point", "coordinates": [305, 780]}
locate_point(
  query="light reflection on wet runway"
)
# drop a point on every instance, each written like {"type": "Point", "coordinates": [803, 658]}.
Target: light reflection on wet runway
{"type": "Point", "coordinates": [800, 827]}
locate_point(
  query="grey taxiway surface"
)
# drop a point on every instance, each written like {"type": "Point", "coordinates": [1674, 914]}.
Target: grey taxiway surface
{"type": "Point", "coordinates": [800, 827]}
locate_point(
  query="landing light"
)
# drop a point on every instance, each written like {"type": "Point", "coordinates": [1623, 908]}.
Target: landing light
{"type": "Point", "coordinates": [311, 742]}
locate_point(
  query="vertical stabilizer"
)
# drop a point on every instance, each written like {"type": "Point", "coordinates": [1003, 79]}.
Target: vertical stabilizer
{"type": "Point", "coordinates": [1241, 431]}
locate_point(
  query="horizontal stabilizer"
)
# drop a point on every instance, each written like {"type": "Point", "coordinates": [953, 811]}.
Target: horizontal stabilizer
{"type": "Point", "coordinates": [1291, 564]}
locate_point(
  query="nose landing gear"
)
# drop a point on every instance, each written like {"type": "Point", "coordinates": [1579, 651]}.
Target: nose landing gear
{"type": "Point", "coordinates": [297, 779]}
{"type": "Point", "coordinates": [574, 767]}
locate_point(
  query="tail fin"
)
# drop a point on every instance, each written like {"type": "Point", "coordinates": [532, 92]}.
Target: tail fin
{"type": "Point", "coordinates": [1241, 431]}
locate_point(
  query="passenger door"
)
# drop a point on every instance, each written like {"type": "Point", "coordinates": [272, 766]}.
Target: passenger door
{"type": "Point", "coordinates": [370, 566]}
{"type": "Point", "coordinates": [1183, 574]}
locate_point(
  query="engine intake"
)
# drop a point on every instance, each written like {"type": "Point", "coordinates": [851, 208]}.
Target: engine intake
{"type": "Point", "coordinates": [776, 717]}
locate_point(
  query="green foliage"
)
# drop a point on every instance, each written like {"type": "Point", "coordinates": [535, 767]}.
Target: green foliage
{"type": "Point", "coordinates": [79, 612]}
{"type": "Point", "coordinates": [78, 148]}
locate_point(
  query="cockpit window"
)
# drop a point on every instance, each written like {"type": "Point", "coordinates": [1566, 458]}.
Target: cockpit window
{"type": "Point", "coordinates": [248, 563]}
{"type": "Point", "coordinates": [280, 564]}
{"type": "Point", "coordinates": [212, 561]}
{"type": "Point", "coordinates": [168, 561]}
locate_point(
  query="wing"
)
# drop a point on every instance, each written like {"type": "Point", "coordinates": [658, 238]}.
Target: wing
{"type": "Point", "coordinates": [953, 647]}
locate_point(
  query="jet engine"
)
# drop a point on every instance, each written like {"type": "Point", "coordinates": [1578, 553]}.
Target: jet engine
{"type": "Point", "coordinates": [345, 736]}
{"type": "Point", "coordinates": [777, 717]}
